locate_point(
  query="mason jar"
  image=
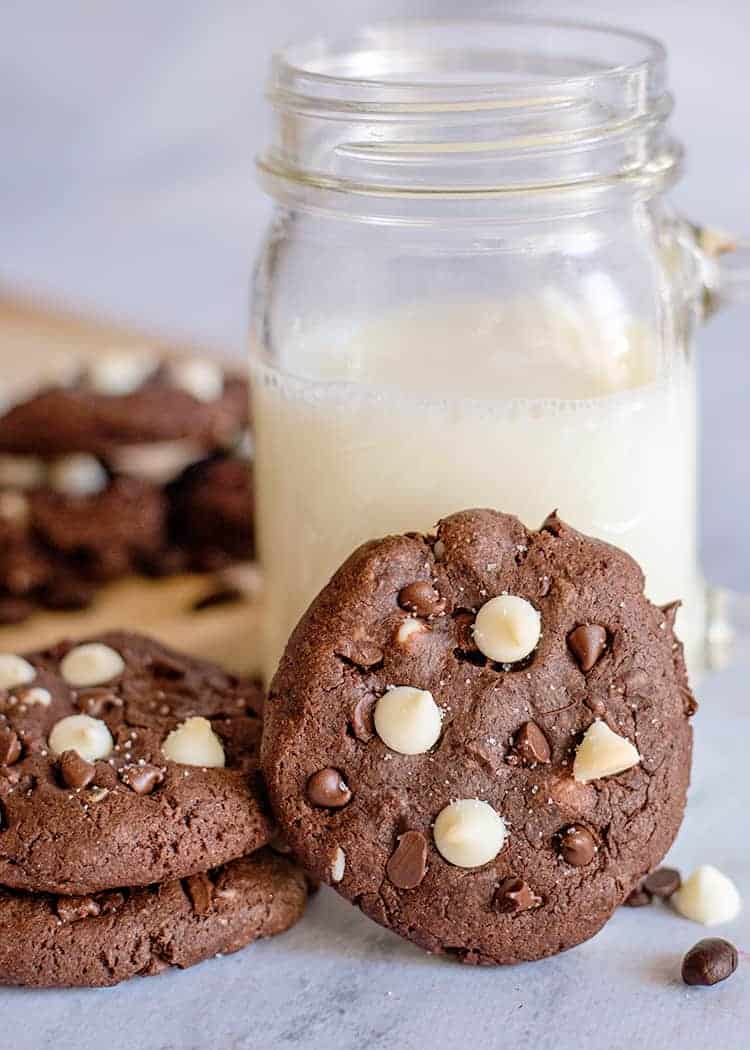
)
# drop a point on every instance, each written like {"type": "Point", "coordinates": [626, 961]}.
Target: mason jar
{"type": "Point", "coordinates": [475, 293]}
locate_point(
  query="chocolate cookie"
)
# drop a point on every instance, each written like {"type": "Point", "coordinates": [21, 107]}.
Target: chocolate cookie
{"type": "Point", "coordinates": [482, 738]}
{"type": "Point", "coordinates": [211, 512]}
{"type": "Point", "coordinates": [106, 938]}
{"type": "Point", "coordinates": [129, 398]}
{"type": "Point", "coordinates": [123, 763]}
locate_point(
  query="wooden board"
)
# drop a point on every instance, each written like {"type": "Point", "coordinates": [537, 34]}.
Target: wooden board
{"type": "Point", "coordinates": [33, 341]}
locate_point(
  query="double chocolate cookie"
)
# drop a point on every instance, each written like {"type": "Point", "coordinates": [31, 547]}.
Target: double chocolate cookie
{"type": "Point", "coordinates": [123, 763]}
{"type": "Point", "coordinates": [482, 737]}
{"type": "Point", "coordinates": [108, 937]}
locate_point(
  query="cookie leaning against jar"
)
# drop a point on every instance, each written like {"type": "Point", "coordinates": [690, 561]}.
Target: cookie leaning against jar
{"type": "Point", "coordinates": [124, 763]}
{"type": "Point", "coordinates": [87, 472]}
{"type": "Point", "coordinates": [482, 738]}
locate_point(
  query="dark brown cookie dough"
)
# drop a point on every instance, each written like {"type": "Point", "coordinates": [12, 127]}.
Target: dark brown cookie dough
{"type": "Point", "coordinates": [103, 939]}
{"type": "Point", "coordinates": [211, 512]}
{"type": "Point", "coordinates": [131, 816]}
{"type": "Point", "coordinates": [402, 612]}
{"type": "Point", "coordinates": [77, 418]}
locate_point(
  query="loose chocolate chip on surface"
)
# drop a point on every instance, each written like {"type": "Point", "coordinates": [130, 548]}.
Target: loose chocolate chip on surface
{"type": "Point", "coordinates": [531, 745]}
{"type": "Point", "coordinates": [577, 846]}
{"type": "Point", "coordinates": [10, 747]}
{"type": "Point", "coordinates": [513, 895]}
{"type": "Point", "coordinates": [638, 898]}
{"type": "Point", "coordinates": [360, 652]}
{"type": "Point", "coordinates": [75, 771]}
{"type": "Point", "coordinates": [141, 779]}
{"type": "Point", "coordinates": [421, 598]}
{"type": "Point", "coordinates": [663, 882]}
{"type": "Point", "coordinates": [327, 788]}
{"type": "Point", "coordinates": [408, 863]}
{"type": "Point", "coordinates": [709, 961]}
{"type": "Point", "coordinates": [70, 909]}
{"type": "Point", "coordinates": [200, 890]}
{"type": "Point", "coordinates": [587, 643]}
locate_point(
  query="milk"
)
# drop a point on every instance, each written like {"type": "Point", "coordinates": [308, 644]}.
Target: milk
{"type": "Point", "coordinates": [374, 427]}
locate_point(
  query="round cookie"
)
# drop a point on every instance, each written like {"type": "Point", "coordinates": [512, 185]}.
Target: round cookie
{"type": "Point", "coordinates": [176, 399]}
{"type": "Point", "coordinates": [123, 763]}
{"type": "Point", "coordinates": [211, 514]}
{"type": "Point", "coordinates": [100, 940]}
{"type": "Point", "coordinates": [554, 780]}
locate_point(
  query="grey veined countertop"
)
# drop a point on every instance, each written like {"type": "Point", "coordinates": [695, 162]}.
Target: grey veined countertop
{"type": "Point", "coordinates": [339, 982]}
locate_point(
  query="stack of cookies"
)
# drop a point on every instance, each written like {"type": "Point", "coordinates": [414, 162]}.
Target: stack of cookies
{"type": "Point", "coordinates": [135, 462]}
{"type": "Point", "coordinates": [133, 835]}
{"type": "Point", "coordinates": [482, 737]}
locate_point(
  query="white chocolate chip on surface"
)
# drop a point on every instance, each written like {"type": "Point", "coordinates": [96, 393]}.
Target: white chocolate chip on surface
{"type": "Point", "coordinates": [120, 372]}
{"type": "Point", "coordinates": [194, 743]}
{"type": "Point", "coordinates": [338, 865]}
{"type": "Point", "coordinates": [89, 736]}
{"type": "Point", "coordinates": [409, 630]}
{"type": "Point", "coordinates": [156, 461]}
{"type": "Point", "coordinates": [707, 896]}
{"type": "Point", "coordinates": [603, 753]}
{"type": "Point", "coordinates": [78, 475]}
{"type": "Point", "coordinates": [37, 697]}
{"type": "Point", "coordinates": [203, 380]}
{"type": "Point", "coordinates": [14, 507]}
{"type": "Point", "coordinates": [407, 720]}
{"type": "Point", "coordinates": [507, 628]}
{"type": "Point", "coordinates": [91, 664]}
{"type": "Point", "coordinates": [14, 670]}
{"type": "Point", "coordinates": [469, 833]}
{"type": "Point", "coordinates": [22, 472]}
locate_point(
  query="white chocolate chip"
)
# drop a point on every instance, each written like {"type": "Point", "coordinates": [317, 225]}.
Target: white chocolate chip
{"type": "Point", "coordinates": [203, 380]}
{"type": "Point", "coordinates": [507, 628]}
{"type": "Point", "coordinates": [469, 833]}
{"type": "Point", "coordinates": [120, 372]}
{"type": "Point", "coordinates": [708, 897]}
{"type": "Point", "coordinates": [409, 630]}
{"type": "Point", "coordinates": [194, 743]}
{"type": "Point", "coordinates": [91, 664]}
{"type": "Point", "coordinates": [14, 507]}
{"type": "Point", "coordinates": [14, 670]}
{"type": "Point", "coordinates": [338, 865]}
{"type": "Point", "coordinates": [602, 753]}
{"type": "Point", "coordinates": [78, 475]}
{"type": "Point", "coordinates": [407, 720]}
{"type": "Point", "coordinates": [22, 472]}
{"type": "Point", "coordinates": [157, 461]}
{"type": "Point", "coordinates": [89, 736]}
{"type": "Point", "coordinates": [37, 697]}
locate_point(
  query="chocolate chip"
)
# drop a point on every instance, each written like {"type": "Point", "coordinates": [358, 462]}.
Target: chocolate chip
{"type": "Point", "coordinates": [141, 779]}
{"type": "Point", "coordinates": [10, 747]}
{"type": "Point", "coordinates": [531, 745]}
{"type": "Point", "coordinates": [110, 901]}
{"type": "Point", "coordinates": [200, 890]}
{"type": "Point", "coordinates": [362, 723]}
{"type": "Point", "coordinates": [513, 895]}
{"type": "Point", "coordinates": [421, 598]}
{"type": "Point", "coordinates": [577, 846]}
{"type": "Point", "coordinates": [709, 961]}
{"type": "Point", "coordinates": [75, 771]}
{"type": "Point", "coordinates": [328, 789]}
{"type": "Point", "coordinates": [407, 865]}
{"type": "Point", "coordinates": [634, 682]}
{"type": "Point", "coordinates": [587, 643]}
{"type": "Point", "coordinates": [70, 909]}
{"type": "Point", "coordinates": [663, 882]}
{"type": "Point", "coordinates": [552, 524]}
{"type": "Point", "coordinates": [96, 701]}
{"type": "Point", "coordinates": [360, 652]}
{"type": "Point", "coordinates": [638, 898]}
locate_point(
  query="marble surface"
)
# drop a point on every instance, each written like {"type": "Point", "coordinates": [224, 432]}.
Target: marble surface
{"type": "Point", "coordinates": [339, 982]}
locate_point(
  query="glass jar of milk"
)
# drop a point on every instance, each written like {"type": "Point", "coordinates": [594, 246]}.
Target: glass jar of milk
{"type": "Point", "coordinates": [474, 293]}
